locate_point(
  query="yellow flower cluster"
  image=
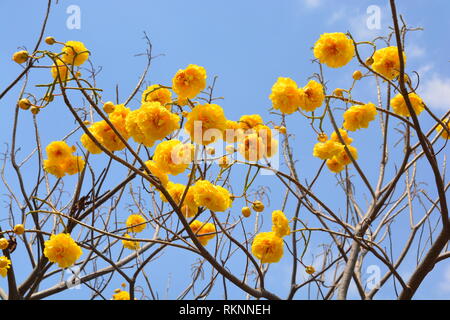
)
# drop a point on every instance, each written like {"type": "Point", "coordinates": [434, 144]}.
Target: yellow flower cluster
{"type": "Point", "coordinates": [203, 231]}
{"type": "Point", "coordinates": [74, 53]}
{"type": "Point", "coordinates": [267, 247]}
{"type": "Point", "coordinates": [359, 116]}
{"type": "Point", "coordinates": [136, 223]}
{"type": "Point", "coordinates": [334, 151]}
{"type": "Point", "coordinates": [132, 245]}
{"type": "Point", "coordinates": [280, 224]}
{"type": "Point", "coordinates": [440, 130]}
{"type": "Point", "coordinates": [5, 264]}
{"type": "Point", "coordinates": [399, 106]}
{"type": "Point", "coordinates": [62, 249]}
{"type": "Point", "coordinates": [151, 122]}
{"type": "Point", "coordinates": [176, 191]}
{"type": "Point", "coordinates": [121, 295]}
{"type": "Point", "coordinates": [334, 49]}
{"type": "Point", "coordinates": [213, 197]}
{"type": "Point", "coordinates": [287, 97]}
{"type": "Point", "coordinates": [156, 93]}
{"type": "Point", "coordinates": [205, 123]}
{"type": "Point", "coordinates": [173, 156]}
{"type": "Point", "coordinates": [386, 62]}
{"type": "Point", "coordinates": [61, 160]}
{"type": "Point", "coordinates": [157, 172]}
{"type": "Point", "coordinates": [188, 83]}
{"type": "Point", "coordinates": [105, 134]}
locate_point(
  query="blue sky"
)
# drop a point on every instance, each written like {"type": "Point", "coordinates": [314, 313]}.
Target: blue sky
{"type": "Point", "coordinates": [248, 45]}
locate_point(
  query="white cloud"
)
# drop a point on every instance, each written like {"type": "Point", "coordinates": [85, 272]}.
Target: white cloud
{"type": "Point", "coordinates": [436, 92]}
{"type": "Point", "coordinates": [312, 3]}
{"type": "Point", "coordinates": [414, 51]}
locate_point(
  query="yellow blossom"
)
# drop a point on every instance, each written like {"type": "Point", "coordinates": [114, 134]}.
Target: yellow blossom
{"type": "Point", "coordinates": [344, 159]}
{"type": "Point", "coordinates": [334, 166]}
{"type": "Point", "coordinates": [311, 96]}
{"type": "Point", "coordinates": [327, 150]}
{"type": "Point", "coordinates": [285, 95]}
{"type": "Point", "coordinates": [132, 245]}
{"type": "Point", "coordinates": [205, 123]}
{"type": "Point", "coordinates": [359, 116]}
{"type": "Point", "coordinates": [62, 249]}
{"type": "Point", "coordinates": [121, 295]}
{"type": "Point", "coordinates": [173, 157]}
{"type": "Point", "coordinates": [60, 71]}
{"type": "Point", "coordinates": [5, 264]}
{"type": "Point", "coordinates": [176, 190]}
{"type": "Point", "coordinates": [280, 224]}
{"type": "Point", "coordinates": [201, 230]}
{"type": "Point", "coordinates": [157, 93]}
{"type": "Point", "coordinates": [157, 172]}
{"type": "Point", "coordinates": [250, 121]}
{"type": "Point", "coordinates": [188, 83]}
{"type": "Point", "coordinates": [267, 247]}
{"type": "Point", "coordinates": [213, 197]}
{"type": "Point", "coordinates": [440, 130]}
{"type": "Point", "coordinates": [75, 53]}
{"type": "Point", "coordinates": [136, 223]}
{"type": "Point", "coordinates": [386, 62]}
{"type": "Point", "coordinates": [344, 135]}
{"type": "Point", "coordinates": [399, 106]}
{"type": "Point", "coordinates": [334, 49]}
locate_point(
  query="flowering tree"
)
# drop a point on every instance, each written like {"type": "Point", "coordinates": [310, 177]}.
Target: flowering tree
{"type": "Point", "coordinates": [189, 180]}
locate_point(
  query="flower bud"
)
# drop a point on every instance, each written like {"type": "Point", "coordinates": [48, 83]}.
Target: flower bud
{"type": "Point", "coordinates": [230, 149]}
{"type": "Point", "coordinates": [357, 75]}
{"type": "Point", "coordinates": [19, 229]}
{"type": "Point", "coordinates": [310, 269]}
{"type": "Point", "coordinates": [258, 206]}
{"type": "Point", "coordinates": [21, 56]}
{"type": "Point", "coordinates": [338, 92]}
{"type": "Point", "coordinates": [24, 104]}
{"type": "Point", "coordinates": [3, 244]}
{"type": "Point", "coordinates": [246, 211]}
{"type": "Point", "coordinates": [35, 110]}
{"type": "Point", "coordinates": [50, 40]}
{"type": "Point", "coordinates": [369, 61]}
{"type": "Point", "coordinates": [322, 137]}
{"type": "Point", "coordinates": [108, 107]}
{"type": "Point", "coordinates": [224, 162]}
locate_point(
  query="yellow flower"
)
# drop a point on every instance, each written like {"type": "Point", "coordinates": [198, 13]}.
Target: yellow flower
{"type": "Point", "coordinates": [3, 243]}
{"type": "Point", "coordinates": [357, 117]}
{"type": "Point", "coordinates": [19, 229]}
{"type": "Point", "coordinates": [327, 150]}
{"type": "Point", "coordinates": [201, 230]}
{"type": "Point", "coordinates": [75, 53]}
{"type": "Point", "coordinates": [188, 83]}
{"type": "Point", "coordinates": [136, 223]}
{"type": "Point", "coordinates": [74, 164]}
{"type": "Point", "coordinates": [250, 121]}
{"type": "Point", "coordinates": [267, 247]}
{"type": "Point", "coordinates": [176, 190]}
{"type": "Point", "coordinates": [311, 96]}
{"type": "Point", "coordinates": [173, 156]}
{"type": "Point", "coordinates": [5, 264]}
{"type": "Point", "coordinates": [132, 245]}
{"type": "Point", "coordinates": [63, 71]}
{"type": "Point", "coordinates": [334, 166]}
{"type": "Point", "coordinates": [121, 295]}
{"type": "Point", "coordinates": [280, 224]}
{"type": "Point", "coordinates": [285, 95]}
{"type": "Point", "coordinates": [20, 56]}
{"type": "Point", "coordinates": [158, 94]}
{"type": "Point", "coordinates": [233, 131]}
{"type": "Point", "coordinates": [386, 62]}
{"type": "Point", "coordinates": [157, 172]}
{"type": "Point", "coordinates": [135, 131]}
{"type": "Point", "coordinates": [344, 159]}
{"type": "Point", "coordinates": [440, 130]}
{"type": "Point", "coordinates": [399, 106]}
{"type": "Point", "coordinates": [62, 249]}
{"type": "Point", "coordinates": [344, 135]}
{"type": "Point", "coordinates": [58, 150]}
{"type": "Point", "coordinates": [252, 147]}
{"type": "Point", "coordinates": [205, 123]}
{"type": "Point", "coordinates": [213, 197]}
{"type": "Point", "coordinates": [334, 49]}
{"type": "Point", "coordinates": [154, 121]}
